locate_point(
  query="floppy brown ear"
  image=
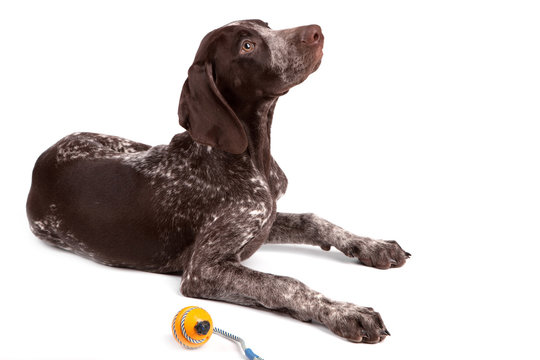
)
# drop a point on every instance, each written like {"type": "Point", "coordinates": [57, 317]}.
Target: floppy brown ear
{"type": "Point", "coordinates": [206, 115]}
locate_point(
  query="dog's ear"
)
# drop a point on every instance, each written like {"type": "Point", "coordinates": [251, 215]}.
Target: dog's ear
{"type": "Point", "coordinates": [205, 113]}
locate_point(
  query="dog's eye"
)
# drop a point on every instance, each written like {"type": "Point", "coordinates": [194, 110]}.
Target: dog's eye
{"type": "Point", "coordinates": [248, 46]}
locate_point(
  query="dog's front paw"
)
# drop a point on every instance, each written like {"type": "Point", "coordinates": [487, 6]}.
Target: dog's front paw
{"type": "Point", "coordinates": [355, 323]}
{"type": "Point", "coordinates": [380, 254]}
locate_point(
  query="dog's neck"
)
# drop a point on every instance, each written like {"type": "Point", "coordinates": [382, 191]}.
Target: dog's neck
{"type": "Point", "coordinates": [257, 120]}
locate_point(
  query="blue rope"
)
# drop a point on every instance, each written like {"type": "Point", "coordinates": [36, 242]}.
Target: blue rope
{"type": "Point", "coordinates": [249, 353]}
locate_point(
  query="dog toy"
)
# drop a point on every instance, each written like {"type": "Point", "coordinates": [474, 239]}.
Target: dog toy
{"type": "Point", "coordinates": [192, 328]}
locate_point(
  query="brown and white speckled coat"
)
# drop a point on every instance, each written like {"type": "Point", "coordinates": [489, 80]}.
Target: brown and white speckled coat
{"type": "Point", "coordinates": [206, 201]}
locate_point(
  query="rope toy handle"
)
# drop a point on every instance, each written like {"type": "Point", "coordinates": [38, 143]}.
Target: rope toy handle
{"type": "Point", "coordinates": [192, 328]}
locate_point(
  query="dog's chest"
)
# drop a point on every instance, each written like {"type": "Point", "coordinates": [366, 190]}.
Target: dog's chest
{"type": "Point", "coordinates": [196, 185]}
{"type": "Point", "coordinates": [277, 180]}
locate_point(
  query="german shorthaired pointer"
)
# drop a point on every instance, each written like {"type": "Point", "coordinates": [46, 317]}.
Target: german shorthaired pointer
{"type": "Point", "coordinates": [207, 201]}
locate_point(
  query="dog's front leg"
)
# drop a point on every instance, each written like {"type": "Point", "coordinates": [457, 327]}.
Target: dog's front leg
{"type": "Point", "coordinates": [213, 271]}
{"type": "Point", "coordinates": [313, 230]}
{"type": "Point", "coordinates": [230, 281]}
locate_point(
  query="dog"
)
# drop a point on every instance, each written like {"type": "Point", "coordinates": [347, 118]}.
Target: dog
{"type": "Point", "coordinates": [205, 202]}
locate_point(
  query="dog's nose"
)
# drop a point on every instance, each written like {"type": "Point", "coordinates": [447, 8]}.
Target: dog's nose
{"type": "Point", "coordinates": [311, 34]}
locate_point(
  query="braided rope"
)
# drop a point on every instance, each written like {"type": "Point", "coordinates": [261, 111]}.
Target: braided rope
{"type": "Point", "coordinates": [174, 327]}
{"type": "Point", "coordinates": [230, 336]}
{"type": "Point", "coordinates": [247, 351]}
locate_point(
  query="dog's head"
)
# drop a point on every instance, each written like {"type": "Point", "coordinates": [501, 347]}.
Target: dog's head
{"type": "Point", "coordinates": [243, 63]}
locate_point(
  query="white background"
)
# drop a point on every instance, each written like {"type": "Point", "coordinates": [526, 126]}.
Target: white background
{"type": "Point", "coordinates": [421, 125]}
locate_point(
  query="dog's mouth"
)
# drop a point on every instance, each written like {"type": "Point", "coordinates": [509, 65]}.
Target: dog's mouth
{"type": "Point", "coordinates": [309, 70]}
{"type": "Point", "coordinates": [318, 62]}
{"type": "Point", "coordinates": [311, 61]}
